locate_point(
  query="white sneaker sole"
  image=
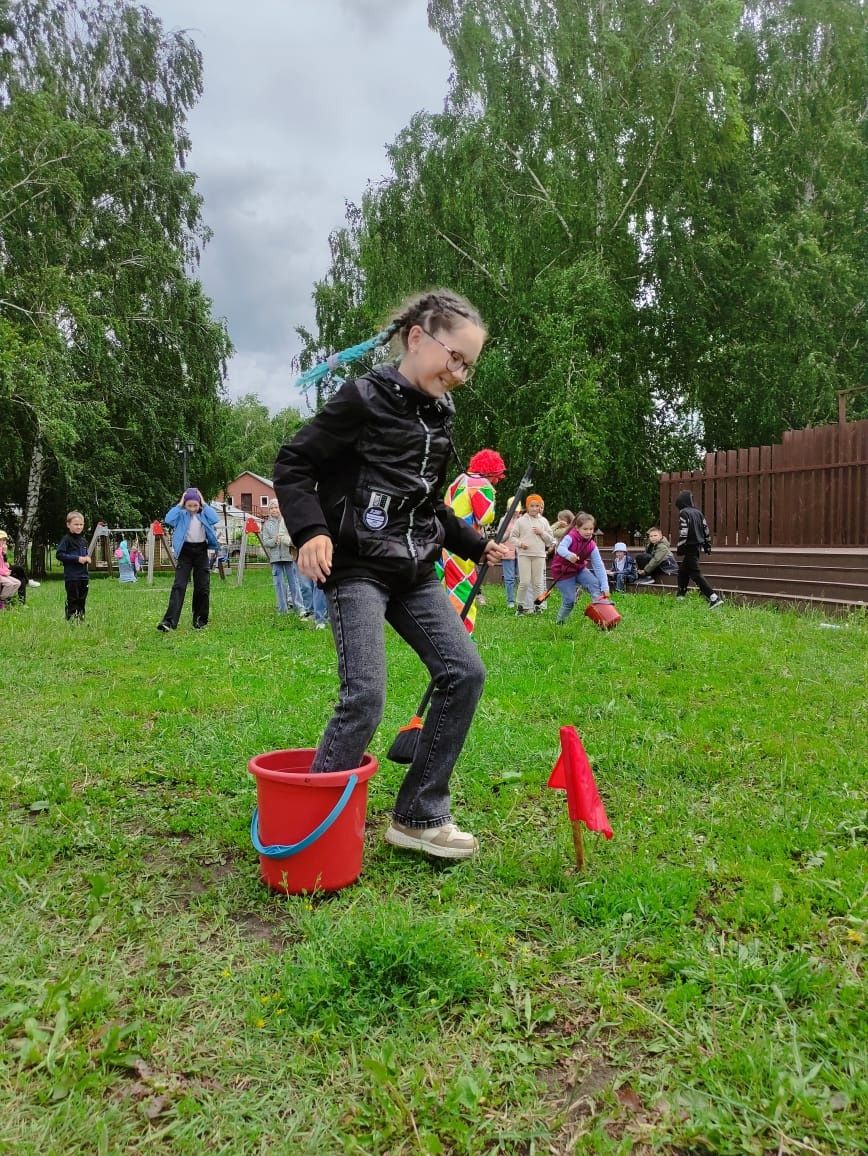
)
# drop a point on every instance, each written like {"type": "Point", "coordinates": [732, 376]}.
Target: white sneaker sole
{"type": "Point", "coordinates": [411, 843]}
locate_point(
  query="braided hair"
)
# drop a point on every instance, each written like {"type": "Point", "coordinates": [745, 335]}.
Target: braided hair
{"type": "Point", "coordinates": [433, 309]}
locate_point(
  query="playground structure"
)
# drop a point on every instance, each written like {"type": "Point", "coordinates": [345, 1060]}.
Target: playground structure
{"type": "Point", "coordinates": [105, 542]}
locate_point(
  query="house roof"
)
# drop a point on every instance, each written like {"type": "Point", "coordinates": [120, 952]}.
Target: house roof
{"type": "Point", "coordinates": [265, 481]}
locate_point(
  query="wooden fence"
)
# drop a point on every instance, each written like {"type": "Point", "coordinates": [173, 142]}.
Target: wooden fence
{"type": "Point", "coordinates": [811, 490]}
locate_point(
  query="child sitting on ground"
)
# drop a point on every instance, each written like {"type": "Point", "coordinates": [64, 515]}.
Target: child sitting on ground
{"type": "Point", "coordinates": [623, 568]}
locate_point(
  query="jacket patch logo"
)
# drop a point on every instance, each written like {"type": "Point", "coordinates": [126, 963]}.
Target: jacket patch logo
{"type": "Point", "coordinates": [376, 516]}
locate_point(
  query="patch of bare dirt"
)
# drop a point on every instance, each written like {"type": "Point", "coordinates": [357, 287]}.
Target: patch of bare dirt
{"type": "Point", "coordinates": [262, 930]}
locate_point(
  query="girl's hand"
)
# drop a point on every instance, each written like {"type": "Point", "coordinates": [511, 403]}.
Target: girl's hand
{"type": "Point", "coordinates": [523, 546]}
{"type": "Point", "coordinates": [494, 552]}
{"type": "Point", "coordinates": [315, 558]}
{"type": "Point", "coordinates": [573, 557]}
{"type": "Point", "coordinates": [538, 530]}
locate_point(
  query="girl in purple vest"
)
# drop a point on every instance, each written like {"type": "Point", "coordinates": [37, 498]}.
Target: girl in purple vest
{"type": "Point", "coordinates": [577, 562]}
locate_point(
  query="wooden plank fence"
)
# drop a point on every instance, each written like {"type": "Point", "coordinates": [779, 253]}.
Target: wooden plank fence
{"type": "Point", "coordinates": [810, 490]}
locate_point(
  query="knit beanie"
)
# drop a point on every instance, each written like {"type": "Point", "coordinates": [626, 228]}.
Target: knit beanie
{"type": "Point", "coordinates": [489, 464]}
{"type": "Point", "coordinates": [533, 498]}
{"type": "Point", "coordinates": [193, 495]}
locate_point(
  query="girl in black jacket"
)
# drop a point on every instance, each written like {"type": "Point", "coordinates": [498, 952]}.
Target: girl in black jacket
{"type": "Point", "coordinates": [360, 492]}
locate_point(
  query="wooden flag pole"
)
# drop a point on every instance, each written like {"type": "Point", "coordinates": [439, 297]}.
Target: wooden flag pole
{"type": "Point", "coordinates": [578, 843]}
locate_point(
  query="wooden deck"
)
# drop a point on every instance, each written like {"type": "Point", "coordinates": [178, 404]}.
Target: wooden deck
{"type": "Point", "coordinates": [831, 578]}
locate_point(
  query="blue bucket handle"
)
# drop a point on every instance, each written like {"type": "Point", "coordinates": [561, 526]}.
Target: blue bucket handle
{"type": "Point", "coordinates": [277, 851]}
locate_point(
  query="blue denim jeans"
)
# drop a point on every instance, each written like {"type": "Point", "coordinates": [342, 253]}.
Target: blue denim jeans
{"type": "Point", "coordinates": [425, 619]}
{"type": "Point", "coordinates": [569, 587]}
{"type": "Point", "coordinates": [286, 588]}
{"type": "Point", "coordinates": [510, 579]}
{"type": "Point", "coordinates": [313, 600]}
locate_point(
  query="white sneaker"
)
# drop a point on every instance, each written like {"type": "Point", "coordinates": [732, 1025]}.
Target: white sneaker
{"type": "Point", "coordinates": [445, 842]}
{"type": "Point", "coordinates": [33, 584]}
{"type": "Point", "coordinates": [320, 626]}
{"type": "Point", "coordinates": [715, 600]}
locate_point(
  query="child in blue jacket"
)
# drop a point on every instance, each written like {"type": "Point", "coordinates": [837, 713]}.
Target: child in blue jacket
{"type": "Point", "coordinates": [623, 571]}
{"type": "Point", "coordinates": [192, 524]}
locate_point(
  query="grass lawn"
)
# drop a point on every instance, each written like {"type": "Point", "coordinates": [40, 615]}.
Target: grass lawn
{"type": "Point", "coordinates": [698, 989]}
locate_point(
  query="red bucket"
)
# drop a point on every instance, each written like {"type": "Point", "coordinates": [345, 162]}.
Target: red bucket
{"type": "Point", "coordinates": [603, 613]}
{"type": "Point", "coordinates": [309, 829]}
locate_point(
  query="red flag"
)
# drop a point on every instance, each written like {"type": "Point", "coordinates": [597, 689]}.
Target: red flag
{"type": "Point", "coordinates": [572, 773]}
{"type": "Point", "coordinates": [156, 529]}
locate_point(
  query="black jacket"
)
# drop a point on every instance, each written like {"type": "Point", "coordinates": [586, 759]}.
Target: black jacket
{"type": "Point", "coordinates": [693, 532]}
{"type": "Point", "coordinates": [369, 470]}
{"type": "Point", "coordinates": [69, 549]}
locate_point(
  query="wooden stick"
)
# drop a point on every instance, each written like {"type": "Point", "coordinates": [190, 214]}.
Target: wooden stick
{"type": "Point", "coordinates": [579, 846]}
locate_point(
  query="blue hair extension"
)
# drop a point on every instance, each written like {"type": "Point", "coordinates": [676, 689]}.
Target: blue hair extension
{"type": "Point", "coordinates": [317, 372]}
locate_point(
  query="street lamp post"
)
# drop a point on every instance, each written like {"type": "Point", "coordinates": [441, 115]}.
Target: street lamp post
{"type": "Point", "coordinates": [183, 450]}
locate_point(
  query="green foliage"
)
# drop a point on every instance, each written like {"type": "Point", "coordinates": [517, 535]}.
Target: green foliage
{"type": "Point", "coordinates": [250, 437]}
{"type": "Point", "coordinates": [655, 206]}
{"type": "Point", "coordinates": [108, 347]}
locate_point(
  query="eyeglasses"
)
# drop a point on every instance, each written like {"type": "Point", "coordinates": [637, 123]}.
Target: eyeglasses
{"type": "Point", "coordinates": [455, 362]}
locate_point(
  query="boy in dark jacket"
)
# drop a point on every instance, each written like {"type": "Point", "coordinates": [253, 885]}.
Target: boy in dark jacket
{"type": "Point", "coordinates": [72, 552]}
{"type": "Point", "coordinates": [693, 536]}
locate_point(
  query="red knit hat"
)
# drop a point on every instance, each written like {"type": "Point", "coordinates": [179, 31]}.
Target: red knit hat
{"type": "Point", "coordinates": [489, 464]}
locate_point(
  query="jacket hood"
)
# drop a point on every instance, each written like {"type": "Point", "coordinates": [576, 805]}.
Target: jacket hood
{"type": "Point", "coordinates": [684, 499]}
{"type": "Point", "coordinates": [389, 376]}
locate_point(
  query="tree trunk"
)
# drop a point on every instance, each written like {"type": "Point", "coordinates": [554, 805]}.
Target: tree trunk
{"type": "Point", "coordinates": [31, 502]}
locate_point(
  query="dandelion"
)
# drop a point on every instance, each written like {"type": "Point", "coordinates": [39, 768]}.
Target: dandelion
{"type": "Point", "coordinates": [260, 1023]}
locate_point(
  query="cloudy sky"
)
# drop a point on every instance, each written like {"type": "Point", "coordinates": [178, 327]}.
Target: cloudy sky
{"type": "Point", "coordinates": [301, 98]}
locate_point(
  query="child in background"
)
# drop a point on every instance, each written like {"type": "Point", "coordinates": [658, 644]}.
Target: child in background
{"type": "Point", "coordinates": [623, 570]}
{"type": "Point", "coordinates": [192, 523]}
{"type": "Point", "coordinates": [507, 565]}
{"type": "Point", "coordinates": [72, 552]}
{"type": "Point", "coordinates": [563, 523]}
{"type": "Point", "coordinates": [577, 562]}
{"type": "Point", "coordinates": [532, 535]}
{"type": "Point", "coordinates": [281, 555]}
{"type": "Point", "coordinates": [313, 603]}
{"type": "Point", "coordinates": [10, 585]}
{"type": "Point", "coordinates": [656, 558]}
{"type": "Point", "coordinates": [693, 536]}
{"type": "Point", "coordinates": [359, 489]}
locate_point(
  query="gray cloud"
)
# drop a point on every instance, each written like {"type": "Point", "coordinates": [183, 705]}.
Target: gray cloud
{"type": "Point", "coordinates": [301, 98]}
